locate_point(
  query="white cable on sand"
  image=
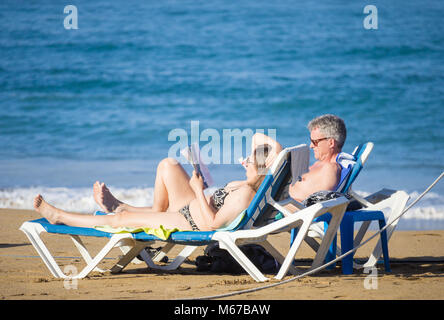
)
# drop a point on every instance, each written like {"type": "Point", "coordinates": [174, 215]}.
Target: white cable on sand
{"type": "Point", "coordinates": [327, 264]}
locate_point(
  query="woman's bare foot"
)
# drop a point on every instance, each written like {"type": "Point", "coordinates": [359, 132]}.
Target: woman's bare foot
{"type": "Point", "coordinates": [48, 211]}
{"type": "Point", "coordinates": [104, 198]}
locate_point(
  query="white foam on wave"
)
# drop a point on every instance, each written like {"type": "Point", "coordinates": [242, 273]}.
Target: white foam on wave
{"type": "Point", "coordinates": [430, 207]}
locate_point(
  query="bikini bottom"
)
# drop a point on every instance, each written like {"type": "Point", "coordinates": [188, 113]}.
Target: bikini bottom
{"type": "Point", "coordinates": [185, 211]}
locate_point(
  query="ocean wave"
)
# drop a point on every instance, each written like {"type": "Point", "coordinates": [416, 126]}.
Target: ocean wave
{"type": "Point", "coordinates": [430, 207]}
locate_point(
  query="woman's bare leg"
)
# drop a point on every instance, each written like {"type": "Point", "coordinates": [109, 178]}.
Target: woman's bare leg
{"type": "Point", "coordinates": [57, 216]}
{"type": "Point", "coordinates": [171, 191]}
{"type": "Point", "coordinates": [169, 220]}
{"type": "Point", "coordinates": [104, 198]}
{"type": "Point", "coordinates": [109, 203]}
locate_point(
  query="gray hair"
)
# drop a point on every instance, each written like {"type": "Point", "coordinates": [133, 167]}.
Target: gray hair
{"type": "Point", "coordinates": [331, 126]}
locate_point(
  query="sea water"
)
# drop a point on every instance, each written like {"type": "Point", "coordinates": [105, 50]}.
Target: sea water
{"type": "Point", "coordinates": [99, 102]}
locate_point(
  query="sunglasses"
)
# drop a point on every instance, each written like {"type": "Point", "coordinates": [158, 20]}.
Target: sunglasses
{"type": "Point", "coordinates": [315, 142]}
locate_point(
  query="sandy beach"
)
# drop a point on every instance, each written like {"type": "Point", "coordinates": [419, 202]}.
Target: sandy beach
{"type": "Point", "coordinates": [417, 262]}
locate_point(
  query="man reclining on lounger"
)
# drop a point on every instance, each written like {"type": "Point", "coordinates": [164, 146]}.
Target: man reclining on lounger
{"type": "Point", "coordinates": [327, 135]}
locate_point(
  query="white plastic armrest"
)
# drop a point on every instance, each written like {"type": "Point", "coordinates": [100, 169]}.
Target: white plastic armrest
{"type": "Point", "coordinates": [281, 206]}
{"type": "Point", "coordinates": [292, 201]}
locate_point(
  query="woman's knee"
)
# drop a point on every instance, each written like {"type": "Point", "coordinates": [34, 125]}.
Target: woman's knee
{"type": "Point", "coordinates": [167, 165]}
{"type": "Point", "coordinates": [167, 162]}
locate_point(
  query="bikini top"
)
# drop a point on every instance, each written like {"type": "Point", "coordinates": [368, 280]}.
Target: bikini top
{"type": "Point", "coordinates": [218, 198]}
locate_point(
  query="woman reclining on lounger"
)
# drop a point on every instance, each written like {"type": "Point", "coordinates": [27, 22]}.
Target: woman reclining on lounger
{"type": "Point", "coordinates": [179, 202]}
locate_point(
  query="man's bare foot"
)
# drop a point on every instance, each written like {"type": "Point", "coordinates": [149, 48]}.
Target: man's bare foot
{"type": "Point", "coordinates": [48, 211]}
{"type": "Point", "coordinates": [104, 198]}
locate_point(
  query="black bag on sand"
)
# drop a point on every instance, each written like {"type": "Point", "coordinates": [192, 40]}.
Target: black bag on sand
{"type": "Point", "coordinates": [218, 260]}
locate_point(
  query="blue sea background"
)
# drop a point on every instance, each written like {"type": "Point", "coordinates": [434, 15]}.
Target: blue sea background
{"type": "Point", "coordinates": [98, 102]}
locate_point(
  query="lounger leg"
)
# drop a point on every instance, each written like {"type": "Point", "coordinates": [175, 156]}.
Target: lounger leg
{"type": "Point", "coordinates": [83, 251]}
{"type": "Point", "coordinates": [185, 253]}
{"type": "Point", "coordinates": [180, 258]}
{"type": "Point", "coordinates": [361, 232]}
{"type": "Point", "coordinates": [163, 252]}
{"type": "Point", "coordinates": [243, 260]}
{"type": "Point", "coordinates": [396, 203]}
{"type": "Point", "coordinates": [347, 228]}
{"type": "Point", "coordinates": [331, 254]}
{"type": "Point", "coordinates": [329, 236]}
{"type": "Point", "coordinates": [312, 243]}
{"type": "Point", "coordinates": [156, 257]}
{"type": "Point", "coordinates": [128, 257]}
{"type": "Point", "coordinates": [303, 230]}
{"type": "Point", "coordinates": [384, 245]}
{"type": "Point", "coordinates": [33, 231]}
{"type": "Point", "coordinates": [113, 242]}
{"type": "Point", "coordinates": [225, 242]}
{"type": "Point", "coordinates": [277, 255]}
